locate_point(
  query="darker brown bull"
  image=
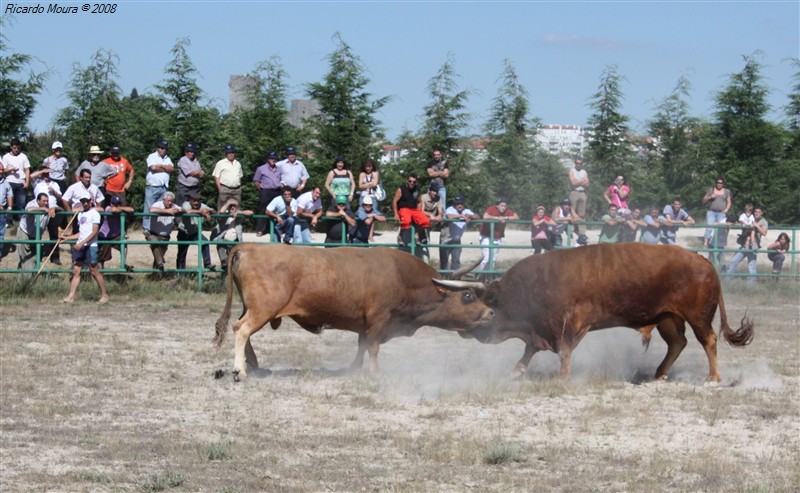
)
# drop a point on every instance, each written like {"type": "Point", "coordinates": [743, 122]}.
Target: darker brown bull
{"type": "Point", "coordinates": [552, 301]}
{"type": "Point", "coordinates": [379, 293]}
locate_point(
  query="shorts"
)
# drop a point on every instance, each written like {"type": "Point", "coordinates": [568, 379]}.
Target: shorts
{"type": "Point", "coordinates": [87, 254]}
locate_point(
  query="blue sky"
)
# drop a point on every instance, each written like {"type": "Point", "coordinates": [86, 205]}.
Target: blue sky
{"type": "Point", "coordinates": [558, 48]}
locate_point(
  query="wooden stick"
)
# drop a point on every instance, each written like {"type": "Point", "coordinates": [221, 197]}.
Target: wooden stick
{"type": "Point", "coordinates": [58, 242]}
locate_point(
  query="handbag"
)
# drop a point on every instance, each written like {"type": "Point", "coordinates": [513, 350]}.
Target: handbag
{"type": "Point", "coordinates": [380, 193]}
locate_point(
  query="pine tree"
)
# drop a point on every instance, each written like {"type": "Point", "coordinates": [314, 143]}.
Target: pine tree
{"type": "Point", "coordinates": [347, 123]}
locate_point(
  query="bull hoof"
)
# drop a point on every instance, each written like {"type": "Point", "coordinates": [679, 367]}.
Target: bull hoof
{"type": "Point", "coordinates": [219, 374]}
{"type": "Point", "coordinates": [238, 376]}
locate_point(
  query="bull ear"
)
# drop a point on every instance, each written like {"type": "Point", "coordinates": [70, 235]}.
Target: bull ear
{"type": "Point", "coordinates": [457, 275]}
{"type": "Point", "coordinates": [460, 285]}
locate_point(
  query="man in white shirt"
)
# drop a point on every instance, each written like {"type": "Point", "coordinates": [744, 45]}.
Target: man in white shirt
{"type": "Point", "coordinates": [282, 210]}
{"type": "Point", "coordinates": [17, 170]}
{"type": "Point", "coordinates": [309, 210]}
{"type": "Point", "coordinates": [85, 250]}
{"type": "Point", "coordinates": [159, 167]}
{"type": "Point", "coordinates": [27, 230]}
{"type": "Point", "coordinates": [293, 172]}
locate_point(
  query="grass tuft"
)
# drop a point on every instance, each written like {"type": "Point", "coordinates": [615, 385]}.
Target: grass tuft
{"type": "Point", "coordinates": [502, 453]}
{"type": "Point", "coordinates": [220, 450]}
{"type": "Point", "coordinates": [162, 482]}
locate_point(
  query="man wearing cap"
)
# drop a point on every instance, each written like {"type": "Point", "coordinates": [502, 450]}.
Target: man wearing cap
{"type": "Point", "coordinates": [189, 228]}
{"type": "Point", "coordinates": [27, 229]}
{"type": "Point", "coordinates": [268, 183]}
{"type": "Point", "coordinates": [118, 184]}
{"type": "Point", "coordinates": [341, 219]}
{"type": "Point", "coordinates": [58, 165]}
{"type": "Point", "coordinates": [309, 210]}
{"type": "Point", "coordinates": [159, 166]}
{"type": "Point", "coordinates": [228, 177]}
{"type": "Point", "coordinates": [578, 184]}
{"type": "Point", "coordinates": [365, 220]}
{"type": "Point", "coordinates": [189, 174]}
{"type": "Point", "coordinates": [111, 230]}
{"type": "Point", "coordinates": [17, 170]}
{"type": "Point", "coordinates": [293, 172]}
{"type": "Point", "coordinates": [100, 170]}
{"type": "Point", "coordinates": [85, 250]}
{"type": "Point", "coordinates": [462, 217]}
{"type": "Point", "coordinates": [283, 210]}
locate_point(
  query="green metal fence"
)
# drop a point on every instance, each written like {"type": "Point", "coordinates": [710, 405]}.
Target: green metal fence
{"type": "Point", "coordinates": [414, 248]}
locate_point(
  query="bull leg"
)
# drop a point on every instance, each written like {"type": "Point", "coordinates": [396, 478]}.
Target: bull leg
{"type": "Point", "coordinates": [243, 350]}
{"type": "Point", "coordinates": [358, 361]}
{"type": "Point", "coordinates": [373, 347]}
{"type": "Point", "coordinates": [708, 339]}
{"type": "Point", "coordinates": [671, 330]}
{"type": "Point", "coordinates": [522, 364]}
{"type": "Point", "coordinates": [250, 356]}
{"type": "Point", "coordinates": [565, 354]}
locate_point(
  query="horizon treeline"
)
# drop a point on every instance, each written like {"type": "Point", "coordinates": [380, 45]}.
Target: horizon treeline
{"type": "Point", "coordinates": [681, 155]}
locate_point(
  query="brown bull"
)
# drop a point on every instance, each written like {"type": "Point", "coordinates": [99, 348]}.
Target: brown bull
{"type": "Point", "coordinates": [379, 293]}
{"type": "Point", "coordinates": [552, 301]}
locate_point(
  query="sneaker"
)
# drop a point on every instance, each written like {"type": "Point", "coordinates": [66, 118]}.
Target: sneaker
{"type": "Point", "coordinates": [160, 267]}
{"type": "Point", "coordinates": [288, 241]}
{"type": "Point", "coordinates": [212, 268]}
{"type": "Point", "coordinates": [128, 268]}
{"type": "Point", "coordinates": [259, 234]}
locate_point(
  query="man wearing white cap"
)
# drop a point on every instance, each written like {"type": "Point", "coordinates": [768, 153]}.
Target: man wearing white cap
{"type": "Point", "coordinates": [366, 215]}
{"type": "Point", "coordinates": [58, 165]}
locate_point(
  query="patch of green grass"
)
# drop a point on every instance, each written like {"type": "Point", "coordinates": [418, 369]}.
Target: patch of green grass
{"type": "Point", "coordinates": [220, 450]}
{"type": "Point", "coordinates": [162, 482]}
{"type": "Point", "coordinates": [501, 453]}
{"type": "Point", "coordinates": [93, 477]}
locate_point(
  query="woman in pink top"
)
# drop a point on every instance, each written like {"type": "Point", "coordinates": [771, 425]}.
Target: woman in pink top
{"type": "Point", "coordinates": [618, 194]}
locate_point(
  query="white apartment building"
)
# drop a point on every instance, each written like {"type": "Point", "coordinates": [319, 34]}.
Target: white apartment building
{"type": "Point", "coordinates": [562, 140]}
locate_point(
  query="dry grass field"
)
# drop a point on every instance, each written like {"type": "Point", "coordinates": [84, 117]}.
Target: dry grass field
{"type": "Point", "coordinates": [122, 397]}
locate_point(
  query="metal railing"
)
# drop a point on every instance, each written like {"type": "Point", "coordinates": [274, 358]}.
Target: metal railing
{"type": "Point", "coordinates": [413, 247]}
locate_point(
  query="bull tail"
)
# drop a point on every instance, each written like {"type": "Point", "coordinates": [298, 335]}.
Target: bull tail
{"type": "Point", "coordinates": [222, 322]}
{"type": "Point", "coordinates": [741, 337]}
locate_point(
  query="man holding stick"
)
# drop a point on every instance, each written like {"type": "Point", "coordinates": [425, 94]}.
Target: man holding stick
{"type": "Point", "coordinates": [85, 250]}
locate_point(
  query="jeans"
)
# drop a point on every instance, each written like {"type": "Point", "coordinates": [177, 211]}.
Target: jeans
{"type": "Point", "coordinates": [450, 255]}
{"type": "Point", "coordinates": [742, 254]}
{"type": "Point", "coordinates": [151, 196]}
{"type": "Point", "coordinates": [20, 197]}
{"type": "Point", "coordinates": [286, 228]}
{"type": "Point", "coordinates": [485, 251]}
{"type": "Point", "coordinates": [713, 218]}
{"type": "Point", "coordinates": [302, 232]}
{"type": "Point", "coordinates": [3, 227]}
{"type": "Point", "coordinates": [183, 249]}
{"type": "Point", "coordinates": [777, 259]}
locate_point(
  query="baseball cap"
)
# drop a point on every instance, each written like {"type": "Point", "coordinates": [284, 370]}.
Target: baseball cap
{"type": "Point", "coordinates": [163, 144]}
{"type": "Point", "coordinates": [272, 155]}
{"type": "Point", "coordinates": [434, 186]}
{"type": "Point", "coordinates": [116, 200]}
{"type": "Point", "coordinates": [57, 145]}
{"type": "Point", "coordinates": [341, 199]}
{"type": "Point", "coordinates": [566, 201]}
{"type": "Point", "coordinates": [85, 198]}
{"type": "Point", "coordinates": [194, 195]}
{"type": "Point", "coordinates": [459, 199]}
{"type": "Point", "coordinates": [113, 150]}
{"type": "Point", "coordinates": [190, 147]}
{"type": "Point", "coordinates": [291, 150]}
{"type": "Point", "coordinates": [367, 201]}
{"type": "Point", "coordinates": [229, 148]}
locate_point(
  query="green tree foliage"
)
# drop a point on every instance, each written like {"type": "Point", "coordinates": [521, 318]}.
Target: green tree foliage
{"type": "Point", "coordinates": [748, 149]}
{"type": "Point", "coordinates": [17, 95]}
{"type": "Point", "coordinates": [444, 122]}
{"type": "Point", "coordinates": [94, 113]}
{"type": "Point", "coordinates": [676, 164]}
{"type": "Point", "coordinates": [515, 167]}
{"type": "Point", "coordinates": [347, 123]}
{"type": "Point", "coordinates": [609, 146]}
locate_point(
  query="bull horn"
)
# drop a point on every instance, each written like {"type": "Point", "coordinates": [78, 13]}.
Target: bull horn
{"type": "Point", "coordinates": [456, 284]}
{"type": "Point", "coordinates": [464, 270]}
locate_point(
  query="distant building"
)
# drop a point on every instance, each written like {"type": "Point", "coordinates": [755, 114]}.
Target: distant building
{"type": "Point", "coordinates": [391, 153]}
{"type": "Point", "coordinates": [240, 89]}
{"type": "Point", "coordinates": [562, 140]}
{"type": "Point", "coordinates": [300, 110]}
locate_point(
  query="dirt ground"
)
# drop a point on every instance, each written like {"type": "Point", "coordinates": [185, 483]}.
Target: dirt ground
{"type": "Point", "coordinates": [122, 397]}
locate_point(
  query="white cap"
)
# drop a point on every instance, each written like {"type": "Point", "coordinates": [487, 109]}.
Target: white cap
{"type": "Point", "coordinates": [57, 145]}
{"type": "Point", "coordinates": [367, 201]}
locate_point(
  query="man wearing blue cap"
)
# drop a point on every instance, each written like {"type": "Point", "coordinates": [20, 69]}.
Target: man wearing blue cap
{"type": "Point", "coordinates": [159, 166]}
{"type": "Point", "coordinates": [268, 183]}
{"type": "Point", "coordinates": [189, 174]}
{"type": "Point", "coordinates": [228, 177]}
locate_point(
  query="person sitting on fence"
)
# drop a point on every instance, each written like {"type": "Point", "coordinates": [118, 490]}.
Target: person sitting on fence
{"type": "Point", "coordinates": [365, 217]}
{"type": "Point", "coordinates": [309, 210]}
{"type": "Point", "coordinates": [777, 253]}
{"type": "Point", "coordinates": [340, 221]}
{"type": "Point", "coordinates": [540, 234]}
{"type": "Point", "coordinates": [111, 230]}
{"type": "Point", "coordinates": [283, 211]}
{"type": "Point", "coordinates": [564, 215]}
{"type": "Point", "coordinates": [27, 230]}
{"type": "Point", "coordinates": [161, 227]}
{"type": "Point", "coordinates": [189, 229]}
{"type": "Point", "coordinates": [229, 229]}
{"type": "Point", "coordinates": [674, 216]}
{"type": "Point", "coordinates": [407, 209]}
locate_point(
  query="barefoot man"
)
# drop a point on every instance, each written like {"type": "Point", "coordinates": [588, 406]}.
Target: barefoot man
{"type": "Point", "coordinates": [85, 250]}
